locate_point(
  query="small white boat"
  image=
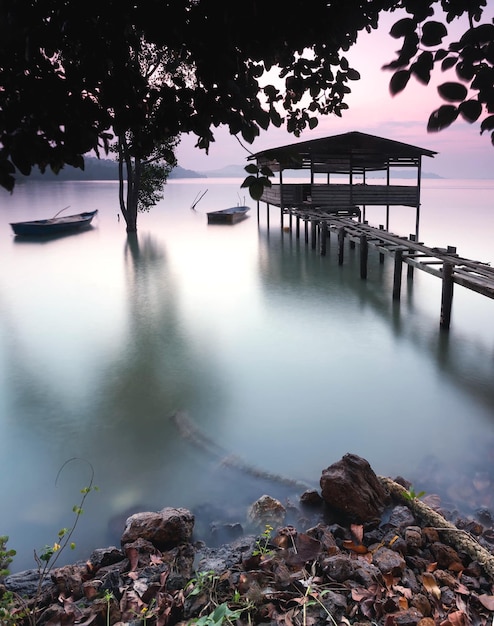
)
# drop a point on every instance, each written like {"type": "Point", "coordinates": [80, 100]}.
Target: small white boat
{"type": "Point", "coordinates": [228, 216]}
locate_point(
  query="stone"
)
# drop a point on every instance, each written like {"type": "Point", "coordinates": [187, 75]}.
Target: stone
{"type": "Point", "coordinates": [164, 529]}
{"type": "Point", "coordinates": [388, 561]}
{"type": "Point", "coordinates": [267, 511]}
{"type": "Point", "coordinates": [351, 487]}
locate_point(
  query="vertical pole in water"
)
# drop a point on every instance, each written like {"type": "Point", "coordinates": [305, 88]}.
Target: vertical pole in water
{"type": "Point", "coordinates": [397, 275]}
{"type": "Point", "coordinates": [306, 230]}
{"type": "Point", "coordinates": [410, 267]}
{"type": "Point", "coordinates": [447, 295]}
{"type": "Point", "coordinates": [267, 215]}
{"type": "Point", "coordinates": [364, 253]}
{"type": "Point", "coordinates": [323, 238]}
{"type": "Point", "coordinates": [341, 245]}
{"type": "Point", "coordinates": [297, 226]}
{"type": "Point", "coordinates": [381, 254]}
{"type": "Point", "coordinates": [313, 233]}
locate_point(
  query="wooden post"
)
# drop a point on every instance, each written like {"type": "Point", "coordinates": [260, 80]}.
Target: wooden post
{"type": "Point", "coordinates": [397, 275]}
{"type": "Point", "coordinates": [267, 215]}
{"type": "Point", "coordinates": [341, 245]}
{"type": "Point", "coordinates": [410, 267]}
{"type": "Point", "coordinates": [306, 230]}
{"type": "Point", "coordinates": [297, 226]}
{"type": "Point", "coordinates": [364, 253]}
{"type": "Point", "coordinates": [447, 295]}
{"type": "Point", "coordinates": [381, 254]}
{"type": "Point", "coordinates": [313, 233]}
{"type": "Point", "coordinates": [323, 238]}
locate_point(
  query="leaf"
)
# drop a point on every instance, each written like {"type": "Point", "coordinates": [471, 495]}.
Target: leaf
{"type": "Point", "coordinates": [442, 118]}
{"type": "Point", "coordinates": [448, 62]}
{"type": "Point", "coordinates": [487, 124]}
{"type": "Point", "coordinates": [452, 92]}
{"type": "Point", "coordinates": [433, 33]}
{"type": "Point", "coordinates": [403, 27]}
{"type": "Point", "coordinates": [251, 168]}
{"type": "Point", "coordinates": [431, 585]}
{"type": "Point", "coordinates": [354, 547]}
{"type": "Point", "coordinates": [399, 81]}
{"type": "Point", "coordinates": [487, 601]}
{"type": "Point", "coordinates": [352, 74]}
{"type": "Point", "coordinates": [422, 67]}
{"type": "Point", "coordinates": [357, 531]}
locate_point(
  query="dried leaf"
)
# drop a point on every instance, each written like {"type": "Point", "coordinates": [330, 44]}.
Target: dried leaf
{"type": "Point", "coordinates": [431, 567]}
{"type": "Point", "coordinates": [431, 585]}
{"type": "Point", "coordinates": [357, 531]}
{"type": "Point", "coordinates": [487, 601]}
{"type": "Point", "coordinates": [456, 618]}
{"type": "Point", "coordinates": [354, 547]}
{"type": "Point", "coordinates": [403, 603]}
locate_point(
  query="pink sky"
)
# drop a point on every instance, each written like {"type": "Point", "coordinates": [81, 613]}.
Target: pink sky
{"type": "Point", "coordinates": [462, 151]}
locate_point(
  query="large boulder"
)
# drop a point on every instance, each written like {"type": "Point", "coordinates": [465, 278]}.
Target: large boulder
{"type": "Point", "coordinates": [164, 529]}
{"type": "Point", "coordinates": [351, 487]}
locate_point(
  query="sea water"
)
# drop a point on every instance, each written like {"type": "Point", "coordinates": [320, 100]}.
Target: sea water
{"type": "Point", "coordinates": [278, 358]}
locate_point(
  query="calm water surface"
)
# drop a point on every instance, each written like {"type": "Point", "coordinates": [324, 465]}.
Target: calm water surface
{"type": "Point", "coordinates": [278, 355]}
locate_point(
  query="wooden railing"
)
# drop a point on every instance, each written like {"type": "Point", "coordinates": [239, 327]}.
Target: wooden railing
{"type": "Point", "coordinates": [334, 196]}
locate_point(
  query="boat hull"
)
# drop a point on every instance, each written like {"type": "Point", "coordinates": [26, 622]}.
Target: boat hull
{"type": "Point", "coordinates": [228, 216]}
{"type": "Point", "coordinates": [53, 226]}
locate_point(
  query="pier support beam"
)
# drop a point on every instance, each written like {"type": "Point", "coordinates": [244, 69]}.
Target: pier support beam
{"type": "Point", "coordinates": [323, 238]}
{"type": "Point", "coordinates": [447, 295]}
{"type": "Point", "coordinates": [364, 254]}
{"type": "Point", "coordinates": [313, 233]}
{"type": "Point", "coordinates": [341, 245]}
{"type": "Point", "coordinates": [397, 275]}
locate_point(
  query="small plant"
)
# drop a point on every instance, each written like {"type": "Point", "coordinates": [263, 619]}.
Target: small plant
{"type": "Point", "coordinates": [412, 495]}
{"type": "Point", "coordinates": [203, 581]}
{"type": "Point", "coordinates": [108, 597]}
{"type": "Point", "coordinates": [222, 614]}
{"type": "Point", "coordinates": [6, 556]}
{"type": "Point", "coordinates": [13, 608]}
{"type": "Point", "coordinates": [262, 544]}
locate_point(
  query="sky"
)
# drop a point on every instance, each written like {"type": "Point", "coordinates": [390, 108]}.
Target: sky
{"type": "Point", "coordinates": [462, 151]}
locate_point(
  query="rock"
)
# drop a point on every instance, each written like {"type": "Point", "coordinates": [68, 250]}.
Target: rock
{"type": "Point", "coordinates": [388, 561]}
{"type": "Point", "coordinates": [351, 487]}
{"type": "Point", "coordinates": [311, 497]}
{"type": "Point", "coordinates": [165, 529]}
{"type": "Point", "coordinates": [267, 511]}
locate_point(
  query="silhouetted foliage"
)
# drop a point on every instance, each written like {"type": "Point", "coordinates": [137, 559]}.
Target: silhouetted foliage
{"type": "Point", "coordinates": [70, 84]}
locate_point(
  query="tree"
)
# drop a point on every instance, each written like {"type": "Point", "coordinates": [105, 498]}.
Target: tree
{"type": "Point", "coordinates": [145, 178]}
{"type": "Point", "coordinates": [70, 82]}
{"type": "Point", "coordinates": [471, 94]}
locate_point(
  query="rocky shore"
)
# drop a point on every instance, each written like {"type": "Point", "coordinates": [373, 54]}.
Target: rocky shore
{"type": "Point", "coordinates": [363, 550]}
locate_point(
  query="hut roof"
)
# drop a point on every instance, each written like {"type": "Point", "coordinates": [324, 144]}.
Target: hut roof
{"type": "Point", "coordinates": [351, 151]}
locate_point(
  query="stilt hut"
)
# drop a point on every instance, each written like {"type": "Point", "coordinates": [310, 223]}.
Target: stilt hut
{"type": "Point", "coordinates": [340, 174]}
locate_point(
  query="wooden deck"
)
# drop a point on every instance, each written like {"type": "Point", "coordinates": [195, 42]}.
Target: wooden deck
{"type": "Point", "coordinates": [445, 264]}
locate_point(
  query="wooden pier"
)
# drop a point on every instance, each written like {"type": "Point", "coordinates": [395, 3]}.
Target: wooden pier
{"type": "Point", "coordinates": [444, 263]}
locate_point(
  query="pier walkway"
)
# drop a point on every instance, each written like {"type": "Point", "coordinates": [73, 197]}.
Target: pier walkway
{"type": "Point", "coordinates": [444, 263]}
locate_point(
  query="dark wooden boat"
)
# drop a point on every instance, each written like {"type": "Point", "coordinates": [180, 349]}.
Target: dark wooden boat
{"type": "Point", "coordinates": [54, 225]}
{"type": "Point", "coordinates": [228, 216]}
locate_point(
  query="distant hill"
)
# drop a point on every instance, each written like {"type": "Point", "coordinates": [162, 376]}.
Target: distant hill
{"type": "Point", "coordinates": [107, 169]}
{"type": "Point", "coordinates": [97, 169]}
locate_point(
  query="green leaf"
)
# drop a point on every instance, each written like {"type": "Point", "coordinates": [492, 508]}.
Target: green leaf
{"type": "Point", "coordinates": [442, 118]}
{"type": "Point", "coordinates": [399, 81]}
{"type": "Point", "coordinates": [470, 110]}
{"type": "Point", "coordinates": [433, 33]}
{"type": "Point", "coordinates": [251, 168]}
{"type": "Point", "coordinates": [452, 92]}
